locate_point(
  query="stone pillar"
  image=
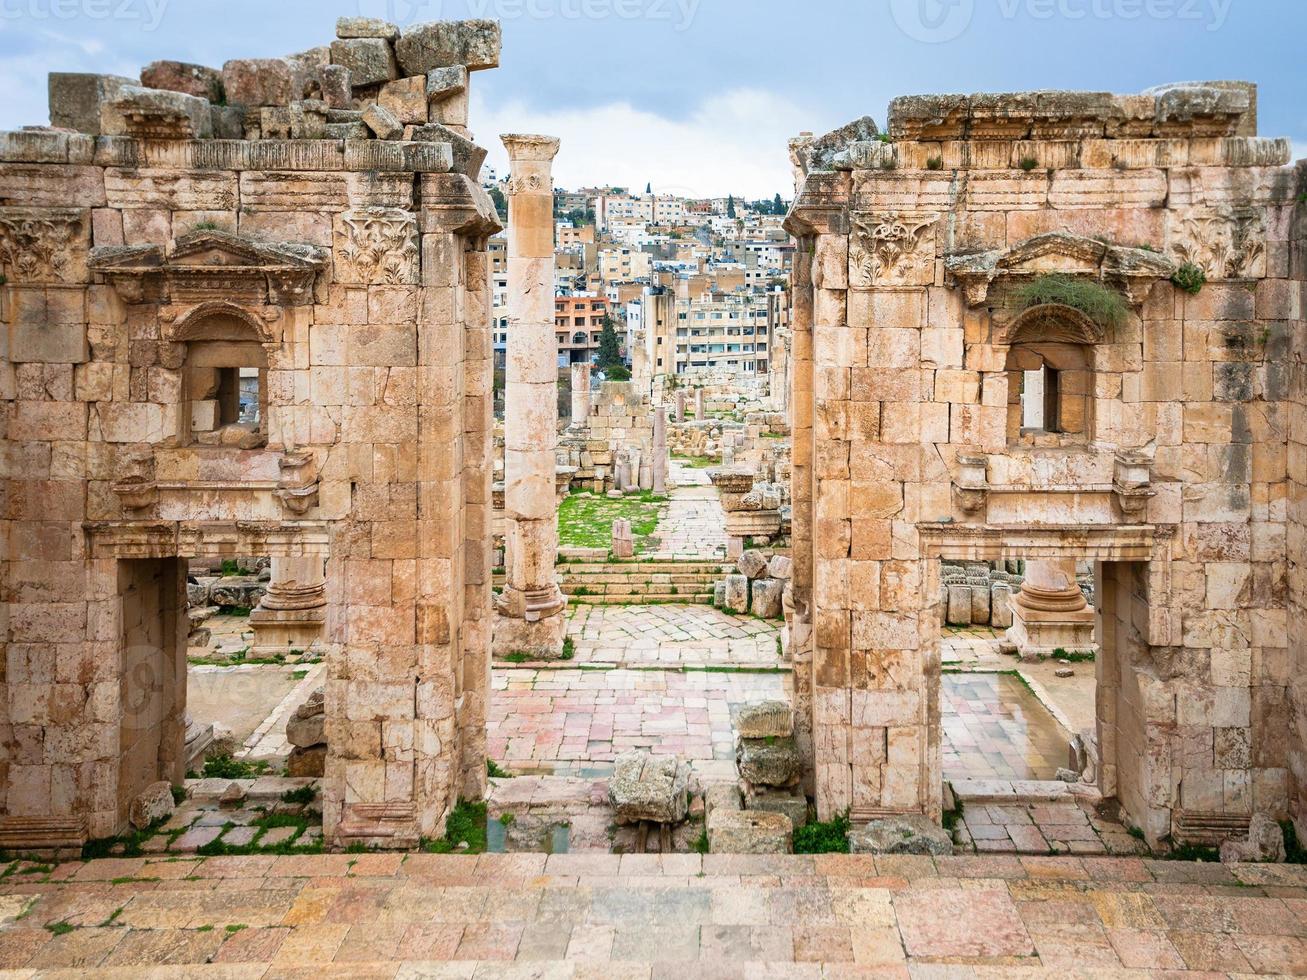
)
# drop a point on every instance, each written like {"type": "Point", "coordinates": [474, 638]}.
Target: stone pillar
{"type": "Point", "coordinates": [700, 405]}
{"type": "Point", "coordinates": [1050, 611]}
{"type": "Point", "coordinates": [530, 608]}
{"type": "Point", "coordinates": [660, 450]}
{"type": "Point", "coordinates": [580, 395]}
{"type": "Point", "coordinates": [291, 613]}
{"type": "Point", "coordinates": [680, 405]}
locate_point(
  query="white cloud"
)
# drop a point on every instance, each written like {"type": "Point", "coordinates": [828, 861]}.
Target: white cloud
{"type": "Point", "coordinates": [733, 142]}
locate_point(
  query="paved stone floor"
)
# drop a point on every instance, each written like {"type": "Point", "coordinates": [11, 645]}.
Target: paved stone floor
{"type": "Point", "coordinates": [646, 916]}
{"type": "Point", "coordinates": [572, 721]}
{"type": "Point", "coordinates": [994, 728]}
{"type": "Point", "coordinates": [692, 525]}
{"type": "Point", "coordinates": [670, 636]}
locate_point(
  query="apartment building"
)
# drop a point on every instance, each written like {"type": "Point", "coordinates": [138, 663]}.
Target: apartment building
{"type": "Point", "coordinates": [623, 264]}
{"type": "Point", "coordinates": [578, 323]}
{"type": "Point", "coordinates": [696, 329]}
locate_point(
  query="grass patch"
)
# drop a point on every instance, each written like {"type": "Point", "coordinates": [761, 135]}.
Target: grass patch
{"type": "Point", "coordinates": [495, 771]}
{"type": "Point", "coordinates": [225, 767]}
{"type": "Point", "coordinates": [1293, 849]}
{"type": "Point", "coordinates": [1190, 278]}
{"type": "Point", "coordinates": [569, 649]}
{"type": "Point", "coordinates": [1075, 656]}
{"type": "Point", "coordinates": [698, 462]}
{"type": "Point", "coordinates": [304, 795]}
{"type": "Point", "coordinates": [60, 928]}
{"type": "Point", "coordinates": [466, 825]}
{"type": "Point", "coordinates": [831, 837]}
{"type": "Point", "coordinates": [516, 657]}
{"type": "Point", "coordinates": [701, 842]}
{"type": "Point", "coordinates": [587, 522]}
{"type": "Point", "coordinates": [1094, 300]}
{"type": "Point", "coordinates": [952, 818]}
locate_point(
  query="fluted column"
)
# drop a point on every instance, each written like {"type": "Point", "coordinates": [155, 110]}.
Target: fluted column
{"type": "Point", "coordinates": [530, 608]}
{"type": "Point", "coordinates": [1050, 611]}
{"type": "Point", "coordinates": [660, 450]}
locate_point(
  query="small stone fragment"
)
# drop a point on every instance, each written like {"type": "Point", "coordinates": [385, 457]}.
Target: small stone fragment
{"type": "Point", "coordinates": [749, 832]}
{"type": "Point", "coordinates": [645, 787]}
{"type": "Point", "coordinates": [153, 804]}
{"type": "Point", "coordinates": [908, 834]}
{"type": "Point", "coordinates": [383, 122]}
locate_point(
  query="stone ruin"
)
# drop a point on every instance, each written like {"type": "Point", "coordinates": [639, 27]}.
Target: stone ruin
{"type": "Point", "coordinates": [612, 441]}
{"type": "Point", "coordinates": [315, 231]}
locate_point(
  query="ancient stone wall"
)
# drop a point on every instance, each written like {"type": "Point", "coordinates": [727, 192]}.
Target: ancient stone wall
{"type": "Point", "coordinates": [1294, 373]}
{"type": "Point", "coordinates": [147, 264]}
{"type": "Point", "coordinates": [995, 235]}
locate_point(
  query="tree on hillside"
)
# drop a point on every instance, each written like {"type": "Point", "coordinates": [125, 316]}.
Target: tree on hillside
{"type": "Point", "coordinates": [648, 188]}
{"type": "Point", "coordinates": [610, 348]}
{"type": "Point", "coordinates": [730, 206]}
{"type": "Point", "coordinates": [500, 202]}
{"type": "Point", "coordinates": [778, 206]}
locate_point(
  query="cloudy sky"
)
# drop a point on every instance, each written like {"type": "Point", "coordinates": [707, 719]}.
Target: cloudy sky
{"type": "Point", "coordinates": [699, 96]}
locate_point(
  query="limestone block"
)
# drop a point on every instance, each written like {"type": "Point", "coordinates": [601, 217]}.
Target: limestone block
{"type": "Point", "coordinates": [237, 591]}
{"type": "Point", "coordinates": [443, 83]}
{"type": "Point", "coordinates": [178, 76]}
{"type": "Point", "coordinates": [370, 60]}
{"type": "Point", "coordinates": [155, 803]}
{"type": "Point", "coordinates": [406, 98]}
{"type": "Point", "coordinates": [306, 732]}
{"type": "Point", "coordinates": [766, 597]}
{"type": "Point", "coordinates": [259, 81]}
{"type": "Point", "coordinates": [781, 567]}
{"type": "Point", "coordinates": [749, 832]}
{"type": "Point", "coordinates": [337, 86]}
{"type": "Point", "coordinates": [644, 787]}
{"type": "Point", "coordinates": [721, 796]}
{"type": "Point", "coordinates": [204, 416]}
{"type": "Point", "coordinates": [468, 157]}
{"type": "Point", "coordinates": [793, 805]}
{"type": "Point", "coordinates": [443, 44]}
{"type": "Point", "coordinates": [766, 719]}
{"type": "Point", "coordinates": [1265, 843]}
{"type": "Point", "coordinates": [383, 122]}
{"type": "Point", "coordinates": [737, 594]}
{"type": "Point", "coordinates": [900, 835]}
{"type": "Point", "coordinates": [719, 594]}
{"type": "Point", "coordinates": [308, 762]}
{"type": "Point", "coordinates": [980, 604]}
{"type": "Point", "coordinates": [959, 605]}
{"type": "Point", "coordinates": [752, 564]}
{"type": "Point", "coordinates": [352, 27]}
{"type": "Point", "coordinates": [76, 99]}
{"type": "Point", "coordinates": [1000, 606]}
{"type": "Point", "coordinates": [768, 761]}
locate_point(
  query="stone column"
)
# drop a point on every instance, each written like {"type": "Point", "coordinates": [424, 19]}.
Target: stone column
{"type": "Point", "coordinates": [1050, 611]}
{"type": "Point", "coordinates": [700, 403]}
{"type": "Point", "coordinates": [530, 608]}
{"type": "Point", "coordinates": [580, 395]}
{"type": "Point", "coordinates": [680, 405]}
{"type": "Point", "coordinates": [660, 450]}
{"type": "Point", "coordinates": [291, 613]}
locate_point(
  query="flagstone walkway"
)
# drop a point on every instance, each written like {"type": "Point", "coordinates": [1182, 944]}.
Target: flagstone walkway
{"type": "Point", "coordinates": [671, 636]}
{"type": "Point", "coordinates": [646, 916]}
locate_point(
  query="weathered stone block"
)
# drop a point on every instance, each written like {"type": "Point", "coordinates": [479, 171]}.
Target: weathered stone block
{"type": "Point", "coordinates": [370, 61]}
{"type": "Point", "coordinates": [354, 27]}
{"type": "Point", "coordinates": [959, 605]}
{"type": "Point", "coordinates": [259, 81]}
{"type": "Point", "coordinates": [443, 44]}
{"type": "Point", "coordinates": [766, 719]}
{"type": "Point", "coordinates": [766, 597]}
{"type": "Point", "coordinates": [76, 99]}
{"type": "Point", "coordinates": [155, 803]}
{"type": "Point", "coordinates": [749, 832]}
{"type": "Point", "coordinates": [752, 564]}
{"type": "Point", "coordinates": [794, 806]}
{"type": "Point", "coordinates": [178, 76]}
{"type": "Point", "coordinates": [736, 598]}
{"type": "Point", "coordinates": [768, 761]}
{"type": "Point", "coordinates": [383, 122]}
{"type": "Point", "coordinates": [643, 787]}
{"type": "Point", "coordinates": [900, 835]}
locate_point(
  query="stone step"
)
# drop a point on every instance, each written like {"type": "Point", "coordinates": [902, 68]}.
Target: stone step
{"type": "Point", "coordinates": [646, 568]}
{"type": "Point", "coordinates": [637, 581]}
{"type": "Point", "coordinates": [683, 598]}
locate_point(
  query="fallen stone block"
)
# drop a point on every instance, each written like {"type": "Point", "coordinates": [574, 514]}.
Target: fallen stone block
{"type": "Point", "coordinates": [763, 720]}
{"type": "Point", "coordinates": [737, 594]}
{"type": "Point", "coordinates": [154, 803]}
{"type": "Point", "coordinates": [443, 44]}
{"type": "Point", "coordinates": [766, 596]}
{"type": "Point", "coordinates": [1264, 843]}
{"type": "Point", "coordinates": [752, 564]}
{"type": "Point", "coordinates": [370, 60]}
{"type": "Point", "coordinates": [259, 81]}
{"type": "Point", "coordinates": [468, 157]}
{"type": "Point", "coordinates": [179, 76]}
{"type": "Point", "coordinates": [383, 122]}
{"type": "Point", "coordinates": [352, 27]}
{"type": "Point", "coordinates": [444, 83]}
{"type": "Point", "coordinates": [305, 733]}
{"type": "Point", "coordinates": [310, 761]}
{"type": "Point", "coordinates": [907, 834]}
{"type": "Point", "coordinates": [781, 567]}
{"type": "Point", "coordinates": [959, 605]}
{"type": "Point", "coordinates": [768, 761]}
{"type": "Point", "coordinates": [794, 806]}
{"type": "Point", "coordinates": [77, 99]}
{"type": "Point", "coordinates": [724, 796]}
{"type": "Point", "coordinates": [646, 787]}
{"type": "Point", "coordinates": [749, 832]}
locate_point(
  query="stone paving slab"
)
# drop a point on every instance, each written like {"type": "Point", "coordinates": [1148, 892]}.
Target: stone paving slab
{"type": "Point", "coordinates": [671, 636]}
{"type": "Point", "coordinates": [646, 916]}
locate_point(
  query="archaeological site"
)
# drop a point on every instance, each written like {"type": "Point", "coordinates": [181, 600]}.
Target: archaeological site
{"type": "Point", "coordinates": [362, 505]}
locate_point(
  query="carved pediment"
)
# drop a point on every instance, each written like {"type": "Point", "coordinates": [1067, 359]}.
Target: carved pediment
{"type": "Point", "coordinates": [1133, 270]}
{"type": "Point", "coordinates": [211, 265]}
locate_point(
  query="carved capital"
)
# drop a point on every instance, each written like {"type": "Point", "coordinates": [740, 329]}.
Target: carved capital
{"type": "Point", "coordinates": [1132, 485]}
{"type": "Point", "coordinates": [1225, 242]}
{"type": "Point", "coordinates": [297, 489]}
{"type": "Point", "coordinates": [136, 487]}
{"type": "Point", "coordinates": [891, 249]}
{"type": "Point", "coordinates": [971, 485]}
{"type": "Point", "coordinates": [43, 245]}
{"type": "Point", "coordinates": [377, 247]}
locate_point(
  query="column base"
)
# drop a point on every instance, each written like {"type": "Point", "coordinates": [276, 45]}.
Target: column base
{"type": "Point", "coordinates": [281, 631]}
{"type": "Point", "coordinates": [541, 639]}
{"type": "Point", "coordinates": [1036, 636]}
